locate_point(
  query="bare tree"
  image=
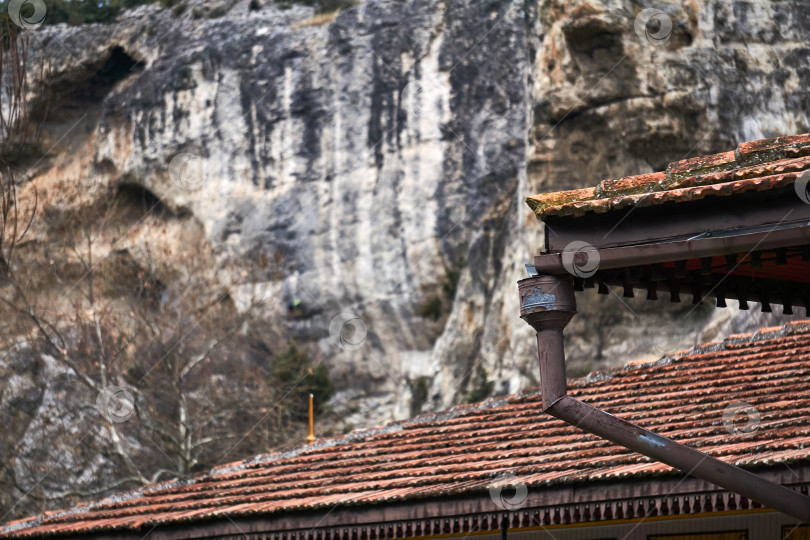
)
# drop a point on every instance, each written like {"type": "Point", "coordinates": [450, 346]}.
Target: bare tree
{"type": "Point", "coordinates": [16, 126]}
{"type": "Point", "coordinates": [160, 378]}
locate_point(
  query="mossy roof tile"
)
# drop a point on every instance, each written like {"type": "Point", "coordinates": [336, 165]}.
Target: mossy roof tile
{"type": "Point", "coordinates": [754, 166]}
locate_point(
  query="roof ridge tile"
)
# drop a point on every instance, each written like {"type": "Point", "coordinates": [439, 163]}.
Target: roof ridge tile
{"type": "Point", "coordinates": [678, 171]}
{"type": "Point", "coordinates": [763, 150]}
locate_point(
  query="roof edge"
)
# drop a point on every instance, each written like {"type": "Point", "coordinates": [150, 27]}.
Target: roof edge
{"type": "Point", "coordinates": [761, 334]}
{"type": "Point", "coordinates": [753, 159]}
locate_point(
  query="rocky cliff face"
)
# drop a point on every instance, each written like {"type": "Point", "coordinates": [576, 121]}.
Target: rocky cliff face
{"type": "Point", "coordinates": [374, 163]}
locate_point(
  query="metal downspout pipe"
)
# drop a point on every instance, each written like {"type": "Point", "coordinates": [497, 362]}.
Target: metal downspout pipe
{"type": "Point", "coordinates": [547, 303]}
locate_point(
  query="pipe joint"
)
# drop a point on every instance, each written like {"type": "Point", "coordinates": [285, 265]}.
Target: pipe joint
{"type": "Point", "coordinates": [547, 302]}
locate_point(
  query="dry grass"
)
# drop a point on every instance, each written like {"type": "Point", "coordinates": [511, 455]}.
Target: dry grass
{"type": "Point", "coordinates": [317, 20]}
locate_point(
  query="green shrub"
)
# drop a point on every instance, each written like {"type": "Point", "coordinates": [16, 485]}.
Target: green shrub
{"type": "Point", "coordinates": [321, 6]}
{"type": "Point", "coordinates": [297, 378]}
{"type": "Point", "coordinates": [451, 276]}
{"type": "Point", "coordinates": [76, 12]}
{"type": "Point", "coordinates": [431, 308]}
{"type": "Point", "coordinates": [484, 387]}
{"type": "Point", "coordinates": [419, 393]}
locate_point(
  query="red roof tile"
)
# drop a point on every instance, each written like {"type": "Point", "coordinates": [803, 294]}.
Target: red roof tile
{"type": "Point", "coordinates": [754, 166]}
{"type": "Point", "coordinates": [682, 396]}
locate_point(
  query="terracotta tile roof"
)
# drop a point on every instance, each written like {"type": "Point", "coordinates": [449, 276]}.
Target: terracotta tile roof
{"type": "Point", "coordinates": [460, 452]}
{"type": "Point", "coordinates": [754, 166]}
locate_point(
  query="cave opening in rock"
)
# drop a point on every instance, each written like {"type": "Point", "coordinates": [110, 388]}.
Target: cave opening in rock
{"type": "Point", "coordinates": [85, 88]}
{"type": "Point", "coordinates": [135, 201]}
{"type": "Point", "coordinates": [118, 66]}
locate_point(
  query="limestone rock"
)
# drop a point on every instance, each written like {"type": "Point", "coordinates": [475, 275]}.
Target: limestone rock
{"type": "Point", "coordinates": [379, 159]}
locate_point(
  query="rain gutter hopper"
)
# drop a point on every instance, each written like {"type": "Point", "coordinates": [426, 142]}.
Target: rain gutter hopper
{"type": "Point", "coordinates": [547, 303]}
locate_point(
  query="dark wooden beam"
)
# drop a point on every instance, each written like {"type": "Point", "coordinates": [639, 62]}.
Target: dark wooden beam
{"type": "Point", "coordinates": [702, 218]}
{"type": "Point", "coordinates": [715, 285]}
{"type": "Point", "coordinates": [785, 235]}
